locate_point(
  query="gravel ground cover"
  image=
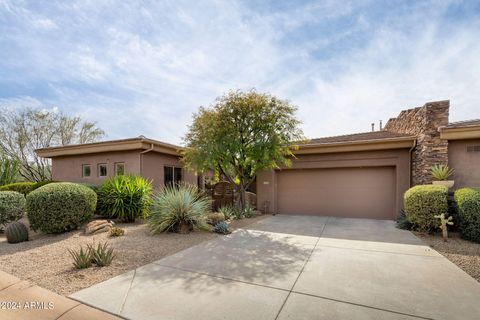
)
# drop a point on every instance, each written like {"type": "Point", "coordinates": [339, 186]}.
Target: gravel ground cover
{"type": "Point", "coordinates": [46, 262]}
{"type": "Point", "coordinates": [465, 254]}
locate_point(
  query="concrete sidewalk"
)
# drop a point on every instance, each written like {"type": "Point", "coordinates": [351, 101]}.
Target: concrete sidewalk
{"type": "Point", "coordinates": [20, 300]}
{"type": "Point", "coordinates": [296, 267]}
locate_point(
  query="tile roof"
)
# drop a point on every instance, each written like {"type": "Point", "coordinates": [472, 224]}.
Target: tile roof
{"type": "Point", "coordinates": [463, 124]}
{"type": "Point", "coordinates": [365, 136]}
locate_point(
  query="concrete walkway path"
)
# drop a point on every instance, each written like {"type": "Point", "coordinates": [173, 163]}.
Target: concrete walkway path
{"type": "Point", "coordinates": [20, 300]}
{"type": "Point", "coordinates": [296, 267]}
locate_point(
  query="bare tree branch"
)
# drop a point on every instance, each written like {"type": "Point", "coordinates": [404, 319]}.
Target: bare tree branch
{"type": "Point", "coordinates": [25, 130]}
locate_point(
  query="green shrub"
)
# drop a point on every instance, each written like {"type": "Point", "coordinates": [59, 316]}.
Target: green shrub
{"type": "Point", "coordinates": [12, 206]}
{"type": "Point", "coordinates": [215, 217]}
{"type": "Point", "coordinates": [179, 209]}
{"type": "Point", "coordinates": [221, 227]}
{"type": "Point", "coordinates": [423, 203]}
{"type": "Point", "coordinates": [60, 207]}
{"type": "Point", "coordinates": [248, 212]}
{"type": "Point", "coordinates": [24, 187]}
{"type": "Point", "coordinates": [125, 198]}
{"type": "Point", "coordinates": [116, 232]}
{"type": "Point", "coordinates": [468, 204]}
{"type": "Point", "coordinates": [402, 221]}
{"type": "Point", "coordinates": [21, 187]}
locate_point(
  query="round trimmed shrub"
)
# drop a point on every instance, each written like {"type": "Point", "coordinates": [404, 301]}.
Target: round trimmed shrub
{"type": "Point", "coordinates": [125, 198]}
{"type": "Point", "coordinates": [60, 207]}
{"type": "Point", "coordinates": [12, 206]}
{"type": "Point", "coordinates": [422, 203]}
{"type": "Point", "coordinates": [468, 204]}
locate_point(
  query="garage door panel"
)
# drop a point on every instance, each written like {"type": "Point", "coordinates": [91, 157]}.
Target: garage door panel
{"type": "Point", "coordinates": [345, 192]}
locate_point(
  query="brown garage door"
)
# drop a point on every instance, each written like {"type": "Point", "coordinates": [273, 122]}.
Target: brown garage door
{"type": "Point", "coordinates": [343, 192]}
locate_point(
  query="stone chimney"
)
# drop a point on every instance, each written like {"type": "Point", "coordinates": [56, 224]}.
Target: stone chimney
{"type": "Point", "coordinates": [423, 122]}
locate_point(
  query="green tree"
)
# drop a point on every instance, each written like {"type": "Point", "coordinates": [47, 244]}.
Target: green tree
{"type": "Point", "coordinates": [24, 130]}
{"type": "Point", "coordinates": [9, 170]}
{"type": "Point", "coordinates": [241, 134]}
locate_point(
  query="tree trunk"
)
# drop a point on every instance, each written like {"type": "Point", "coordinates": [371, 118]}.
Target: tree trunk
{"type": "Point", "coordinates": [242, 197]}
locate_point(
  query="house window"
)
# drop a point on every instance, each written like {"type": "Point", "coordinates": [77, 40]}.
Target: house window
{"type": "Point", "coordinates": [172, 175]}
{"type": "Point", "coordinates": [178, 175]}
{"type": "Point", "coordinates": [86, 170]}
{"type": "Point", "coordinates": [119, 168]}
{"type": "Point", "coordinates": [102, 169]}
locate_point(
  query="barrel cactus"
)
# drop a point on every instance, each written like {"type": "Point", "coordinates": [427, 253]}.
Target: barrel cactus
{"type": "Point", "coordinates": [16, 232]}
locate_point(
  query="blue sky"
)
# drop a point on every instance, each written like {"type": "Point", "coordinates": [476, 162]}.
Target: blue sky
{"type": "Point", "coordinates": [143, 67]}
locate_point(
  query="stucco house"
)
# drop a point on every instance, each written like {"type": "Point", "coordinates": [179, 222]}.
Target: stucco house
{"type": "Point", "coordinates": [91, 163]}
{"type": "Point", "coordinates": [360, 175]}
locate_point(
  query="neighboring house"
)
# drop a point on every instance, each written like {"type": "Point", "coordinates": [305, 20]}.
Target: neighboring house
{"type": "Point", "coordinates": [358, 175]}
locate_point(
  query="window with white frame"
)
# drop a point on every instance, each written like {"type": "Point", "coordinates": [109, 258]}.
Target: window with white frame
{"type": "Point", "coordinates": [119, 168]}
{"type": "Point", "coordinates": [86, 170]}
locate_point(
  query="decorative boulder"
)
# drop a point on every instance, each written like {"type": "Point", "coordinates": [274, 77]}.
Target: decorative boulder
{"type": "Point", "coordinates": [98, 226]}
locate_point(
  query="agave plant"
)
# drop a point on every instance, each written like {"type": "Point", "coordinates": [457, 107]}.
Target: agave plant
{"type": "Point", "coordinates": [441, 172]}
{"type": "Point", "coordinates": [82, 259]}
{"type": "Point", "coordinates": [102, 255]}
{"type": "Point", "coordinates": [228, 211]}
{"type": "Point", "coordinates": [221, 227]}
{"type": "Point", "coordinates": [125, 198]}
{"type": "Point", "coordinates": [179, 208]}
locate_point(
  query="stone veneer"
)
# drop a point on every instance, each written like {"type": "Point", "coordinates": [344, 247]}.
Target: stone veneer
{"type": "Point", "coordinates": [423, 122]}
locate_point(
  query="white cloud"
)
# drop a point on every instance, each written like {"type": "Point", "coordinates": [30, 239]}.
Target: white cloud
{"type": "Point", "coordinates": [43, 23]}
{"type": "Point", "coordinates": [144, 69]}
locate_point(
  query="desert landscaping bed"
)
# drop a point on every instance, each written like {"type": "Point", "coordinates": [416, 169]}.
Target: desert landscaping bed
{"type": "Point", "coordinates": [46, 262]}
{"type": "Point", "coordinates": [465, 254]}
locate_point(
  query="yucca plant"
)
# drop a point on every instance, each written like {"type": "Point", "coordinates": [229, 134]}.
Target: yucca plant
{"type": "Point", "coordinates": [82, 259]}
{"type": "Point", "coordinates": [178, 208]}
{"type": "Point", "coordinates": [441, 172]}
{"type": "Point", "coordinates": [125, 198]}
{"type": "Point", "coordinates": [102, 255]}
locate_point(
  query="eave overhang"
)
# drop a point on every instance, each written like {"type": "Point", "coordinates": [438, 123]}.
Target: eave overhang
{"type": "Point", "coordinates": [141, 144]}
{"type": "Point", "coordinates": [353, 146]}
{"type": "Point", "coordinates": [460, 133]}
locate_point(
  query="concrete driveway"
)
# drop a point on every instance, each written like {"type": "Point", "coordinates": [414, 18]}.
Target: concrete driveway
{"type": "Point", "coordinates": [296, 267]}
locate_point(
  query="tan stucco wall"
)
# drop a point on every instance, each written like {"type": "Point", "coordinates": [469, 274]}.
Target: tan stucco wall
{"type": "Point", "coordinates": [466, 164]}
{"type": "Point", "coordinates": [149, 165]}
{"type": "Point", "coordinates": [400, 159]}
{"type": "Point", "coordinates": [69, 168]}
{"type": "Point", "coordinates": [152, 164]}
